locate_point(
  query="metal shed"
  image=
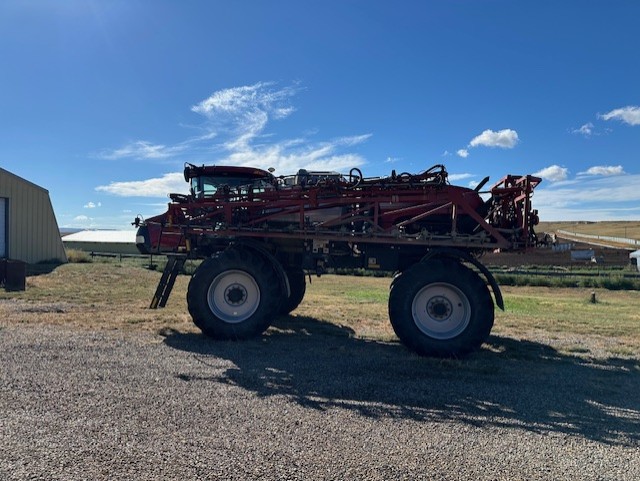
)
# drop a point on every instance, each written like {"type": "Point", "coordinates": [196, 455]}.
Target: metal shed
{"type": "Point", "coordinates": [28, 227]}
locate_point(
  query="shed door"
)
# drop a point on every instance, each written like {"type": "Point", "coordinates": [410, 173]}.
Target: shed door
{"type": "Point", "coordinates": [3, 227]}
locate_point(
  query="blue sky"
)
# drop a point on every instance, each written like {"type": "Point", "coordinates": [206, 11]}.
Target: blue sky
{"type": "Point", "coordinates": [102, 102]}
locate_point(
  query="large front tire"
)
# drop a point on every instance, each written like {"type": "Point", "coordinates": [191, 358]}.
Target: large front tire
{"type": "Point", "coordinates": [233, 295]}
{"type": "Point", "coordinates": [441, 308]}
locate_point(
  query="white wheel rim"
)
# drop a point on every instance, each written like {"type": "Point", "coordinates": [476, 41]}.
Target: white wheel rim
{"type": "Point", "coordinates": [441, 311]}
{"type": "Point", "coordinates": [233, 296]}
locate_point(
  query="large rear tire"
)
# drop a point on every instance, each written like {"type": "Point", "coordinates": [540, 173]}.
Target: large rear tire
{"type": "Point", "coordinates": [233, 295]}
{"type": "Point", "coordinates": [441, 308]}
{"type": "Point", "coordinates": [297, 286]}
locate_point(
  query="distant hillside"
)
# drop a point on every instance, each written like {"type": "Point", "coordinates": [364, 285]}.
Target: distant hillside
{"type": "Point", "coordinates": [627, 229]}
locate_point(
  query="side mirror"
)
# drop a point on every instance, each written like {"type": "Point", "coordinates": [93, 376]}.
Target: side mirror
{"type": "Point", "coordinates": [188, 168]}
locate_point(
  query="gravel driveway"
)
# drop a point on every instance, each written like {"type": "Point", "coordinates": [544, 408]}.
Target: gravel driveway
{"type": "Point", "coordinates": [307, 403]}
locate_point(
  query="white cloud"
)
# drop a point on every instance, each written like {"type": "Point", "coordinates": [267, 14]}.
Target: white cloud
{"type": "Point", "coordinates": [605, 170]}
{"type": "Point", "coordinates": [629, 115]}
{"type": "Point", "coordinates": [158, 187]}
{"type": "Point", "coordinates": [586, 130]}
{"type": "Point", "coordinates": [287, 158]}
{"type": "Point", "coordinates": [553, 173]}
{"type": "Point", "coordinates": [456, 177]}
{"type": "Point", "coordinates": [82, 218]}
{"type": "Point", "coordinates": [506, 139]}
{"type": "Point", "coordinates": [92, 205]}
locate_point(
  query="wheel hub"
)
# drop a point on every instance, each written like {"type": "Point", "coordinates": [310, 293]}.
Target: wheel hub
{"type": "Point", "coordinates": [439, 308]}
{"type": "Point", "coordinates": [235, 294]}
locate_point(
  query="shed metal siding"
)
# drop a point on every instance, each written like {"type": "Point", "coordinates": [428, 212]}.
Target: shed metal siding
{"type": "Point", "coordinates": [3, 227]}
{"type": "Point", "coordinates": [32, 230]}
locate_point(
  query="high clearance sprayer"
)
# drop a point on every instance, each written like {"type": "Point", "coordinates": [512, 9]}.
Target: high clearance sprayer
{"type": "Point", "coordinates": [259, 235]}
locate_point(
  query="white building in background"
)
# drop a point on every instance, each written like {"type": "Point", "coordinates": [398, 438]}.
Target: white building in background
{"type": "Point", "coordinates": [103, 241]}
{"type": "Point", "coordinates": [634, 258]}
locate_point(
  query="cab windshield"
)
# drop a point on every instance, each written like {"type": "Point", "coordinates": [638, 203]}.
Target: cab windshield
{"type": "Point", "coordinates": [209, 185]}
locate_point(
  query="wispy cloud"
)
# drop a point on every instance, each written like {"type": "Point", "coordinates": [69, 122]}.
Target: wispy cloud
{"type": "Point", "coordinates": [553, 173]}
{"type": "Point", "coordinates": [586, 130]}
{"type": "Point", "coordinates": [236, 119]}
{"type": "Point", "coordinates": [242, 100]}
{"type": "Point", "coordinates": [464, 153]}
{"type": "Point", "coordinates": [457, 177]}
{"type": "Point", "coordinates": [142, 149]}
{"type": "Point", "coordinates": [237, 114]}
{"type": "Point", "coordinates": [583, 200]}
{"type": "Point", "coordinates": [155, 187]}
{"type": "Point", "coordinates": [629, 115]}
{"type": "Point", "coordinates": [92, 205]}
{"type": "Point", "coordinates": [604, 170]}
{"type": "Point", "coordinates": [244, 112]}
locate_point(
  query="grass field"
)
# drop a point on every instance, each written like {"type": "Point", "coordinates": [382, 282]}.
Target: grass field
{"type": "Point", "coordinates": [107, 295]}
{"type": "Point", "coordinates": [628, 229]}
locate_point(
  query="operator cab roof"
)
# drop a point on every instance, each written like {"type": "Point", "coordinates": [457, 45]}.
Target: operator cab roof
{"type": "Point", "coordinates": [191, 171]}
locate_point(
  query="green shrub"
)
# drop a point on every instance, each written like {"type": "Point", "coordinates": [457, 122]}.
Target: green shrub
{"type": "Point", "coordinates": [612, 282]}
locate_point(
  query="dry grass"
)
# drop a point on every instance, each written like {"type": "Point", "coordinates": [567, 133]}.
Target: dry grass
{"type": "Point", "coordinates": [116, 296]}
{"type": "Point", "coordinates": [97, 295]}
{"type": "Point", "coordinates": [628, 229]}
{"type": "Point", "coordinates": [568, 317]}
{"type": "Point", "coordinates": [356, 303]}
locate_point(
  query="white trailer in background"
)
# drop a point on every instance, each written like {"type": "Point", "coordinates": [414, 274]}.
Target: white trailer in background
{"type": "Point", "coordinates": [634, 259]}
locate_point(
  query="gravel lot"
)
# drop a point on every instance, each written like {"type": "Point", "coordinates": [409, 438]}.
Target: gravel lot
{"type": "Point", "coordinates": [307, 402]}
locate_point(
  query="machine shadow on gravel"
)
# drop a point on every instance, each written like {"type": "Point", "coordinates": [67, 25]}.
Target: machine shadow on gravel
{"type": "Point", "coordinates": [508, 383]}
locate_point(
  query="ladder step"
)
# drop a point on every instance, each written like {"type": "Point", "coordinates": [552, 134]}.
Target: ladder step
{"type": "Point", "coordinates": [167, 281]}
